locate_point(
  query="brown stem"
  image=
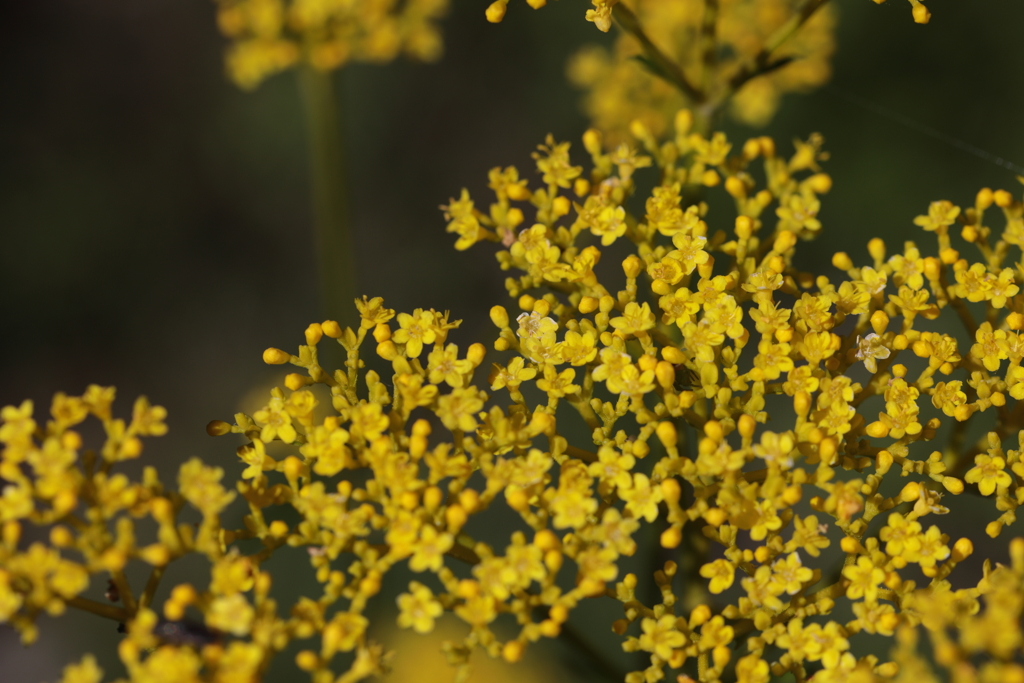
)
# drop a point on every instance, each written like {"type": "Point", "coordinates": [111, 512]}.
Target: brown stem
{"type": "Point", "coordinates": [98, 608]}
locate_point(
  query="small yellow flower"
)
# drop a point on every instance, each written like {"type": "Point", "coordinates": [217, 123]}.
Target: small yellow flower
{"type": "Point", "coordinates": [418, 609]}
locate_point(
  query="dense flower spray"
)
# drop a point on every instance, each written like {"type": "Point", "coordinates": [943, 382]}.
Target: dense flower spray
{"type": "Point", "coordinates": [778, 429]}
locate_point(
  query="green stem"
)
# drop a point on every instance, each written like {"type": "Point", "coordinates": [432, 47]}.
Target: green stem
{"type": "Point", "coordinates": [330, 195]}
{"type": "Point", "coordinates": [762, 62]}
{"type": "Point", "coordinates": [666, 66]}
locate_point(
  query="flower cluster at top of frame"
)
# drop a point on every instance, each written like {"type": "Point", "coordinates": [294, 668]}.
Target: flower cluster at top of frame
{"type": "Point", "coordinates": [269, 36]}
{"type": "Point", "coordinates": [723, 394]}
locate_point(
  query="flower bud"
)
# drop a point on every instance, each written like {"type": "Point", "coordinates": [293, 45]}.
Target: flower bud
{"type": "Point", "coordinates": [274, 356]}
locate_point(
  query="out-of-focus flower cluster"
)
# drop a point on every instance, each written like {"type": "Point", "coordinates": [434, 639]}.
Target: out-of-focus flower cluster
{"type": "Point", "coordinates": [620, 88]}
{"type": "Point", "coordinates": [269, 36]}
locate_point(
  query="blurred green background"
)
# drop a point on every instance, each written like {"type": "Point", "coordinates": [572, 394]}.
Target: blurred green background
{"type": "Point", "coordinates": [155, 221]}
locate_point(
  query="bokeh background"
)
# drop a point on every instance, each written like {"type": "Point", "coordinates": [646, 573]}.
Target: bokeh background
{"type": "Point", "coordinates": [155, 229]}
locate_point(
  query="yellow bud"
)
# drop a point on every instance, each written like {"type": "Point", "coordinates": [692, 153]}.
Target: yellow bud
{"type": "Point", "coordinates": [307, 660]}
{"type": "Point", "coordinates": [784, 242]}
{"type": "Point", "coordinates": [432, 498]}
{"type": "Point", "coordinates": [851, 545]}
{"type": "Point", "coordinates": [842, 261]}
{"type": "Point", "coordinates": [713, 429]}
{"type": "Point", "coordinates": [381, 333]}
{"type": "Point", "coordinates": [218, 428]}
{"type": "Point", "coordinates": [517, 499]}
{"type": "Point", "coordinates": [767, 146]}
{"type": "Point", "coordinates": [553, 560]}
{"type": "Point", "coordinates": [665, 373]}
{"type": "Point", "coordinates": [715, 516]}
{"type": "Point", "coordinates": [162, 510]}
{"type": "Point", "coordinates": [545, 539]}
{"type": "Point", "coordinates": [962, 549]}
{"type": "Point", "coordinates": [469, 499]}
{"type": "Point", "coordinates": [410, 500]}
{"type": "Point", "coordinates": [561, 205]}
{"type": "Point", "coordinates": [877, 430]}
{"type": "Point", "coordinates": [900, 342]}
{"type": "Point", "coordinates": [314, 333]}
{"type": "Point", "coordinates": [278, 529]}
{"type": "Point", "coordinates": [721, 655]}
{"type": "Point", "coordinates": [993, 528]}
{"type": "Point", "coordinates": [456, 517]}
{"type": "Point", "coordinates": [751, 149]}
{"type": "Point", "coordinates": [700, 615]}
{"type": "Point", "coordinates": [387, 350]}
{"type": "Point", "coordinates": [953, 485]}
{"type": "Point", "coordinates": [292, 380]}
{"type": "Point", "coordinates": [820, 182]}
{"type": "Point", "coordinates": [541, 307]}
{"type": "Point", "coordinates": [550, 629]}
{"type": "Point", "coordinates": [671, 490]}
{"type": "Point", "coordinates": [332, 329]}
{"type": "Point", "coordinates": [969, 233]}
{"type": "Point", "coordinates": [710, 178]}
{"type": "Point", "coordinates": [1015, 320]}
{"type": "Point", "coordinates": [526, 302]}
{"type": "Point", "coordinates": [883, 462]}
{"type": "Point", "coordinates": [581, 187]}
{"type": "Point", "coordinates": [513, 649]}
{"type": "Point", "coordinates": [475, 353]}
{"type": "Point", "coordinates": [155, 554]}
{"type": "Point", "coordinates": [501, 344]}
{"type": "Point", "coordinates": [735, 187]}
{"type": "Point", "coordinates": [632, 266]}
{"type": "Point", "coordinates": [801, 402]}
{"type": "Point", "coordinates": [1002, 198]}
{"type": "Point", "coordinates": [889, 669]}
{"type": "Point", "coordinates": [173, 611]}
{"type": "Point", "coordinates": [921, 14]}
{"type": "Point", "coordinates": [61, 537]}
{"type": "Point", "coordinates": [879, 321]}
{"type": "Point", "coordinates": [606, 303]}
{"type": "Point", "coordinates": [876, 248]}
{"type": "Point", "coordinates": [293, 468]}
{"type": "Point", "coordinates": [673, 355]}
{"type": "Point", "coordinates": [984, 198]}
{"type": "Point", "coordinates": [671, 537]}
{"type": "Point", "coordinates": [499, 316]}
{"type": "Point", "coordinates": [274, 356]}
{"type": "Point", "coordinates": [746, 425]}
{"type": "Point", "coordinates": [910, 492]}
{"type": "Point", "coordinates": [592, 141]}
{"type": "Point", "coordinates": [683, 122]}
{"type": "Point", "coordinates": [791, 495]}
{"type": "Point", "coordinates": [588, 304]}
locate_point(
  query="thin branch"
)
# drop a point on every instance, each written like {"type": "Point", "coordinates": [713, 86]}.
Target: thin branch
{"type": "Point", "coordinates": [762, 62]}
{"type": "Point", "coordinates": [98, 608]}
{"type": "Point", "coordinates": [666, 66]}
{"type": "Point", "coordinates": [708, 31]}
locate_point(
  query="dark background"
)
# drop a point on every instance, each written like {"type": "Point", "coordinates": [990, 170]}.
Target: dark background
{"type": "Point", "coordinates": [155, 220]}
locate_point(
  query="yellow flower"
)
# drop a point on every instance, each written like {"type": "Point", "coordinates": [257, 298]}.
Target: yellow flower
{"type": "Point", "coordinates": [989, 473]}
{"type": "Point", "coordinates": [721, 573]}
{"type": "Point", "coordinates": [661, 636]}
{"type": "Point", "coordinates": [343, 633]}
{"type": "Point", "coordinates": [430, 549]}
{"type": "Point", "coordinates": [864, 578]}
{"type": "Point", "coordinates": [87, 671]}
{"type": "Point", "coordinates": [231, 614]}
{"type": "Point", "coordinates": [418, 609]}
{"type": "Point", "coordinates": [414, 331]}
{"type": "Point", "coordinates": [642, 499]}
{"type": "Point", "coordinates": [200, 485]}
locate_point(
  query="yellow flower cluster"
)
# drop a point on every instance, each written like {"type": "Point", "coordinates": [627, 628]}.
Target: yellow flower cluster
{"type": "Point", "coordinates": [269, 36]}
{"type": "Point", "coordinates": [620, 89]}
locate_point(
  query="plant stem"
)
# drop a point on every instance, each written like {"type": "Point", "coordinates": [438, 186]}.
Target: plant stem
{"type": "Point", "coordinates": [331, 222]}
{"type": "Point", "coordinates": [708, 31]}
{"type": "Point", "coordinates": [98, 608]}
{"type": "Point", "coordinates": [761, 63]}
{"type": "Point", "coordinates": [668, 67]}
